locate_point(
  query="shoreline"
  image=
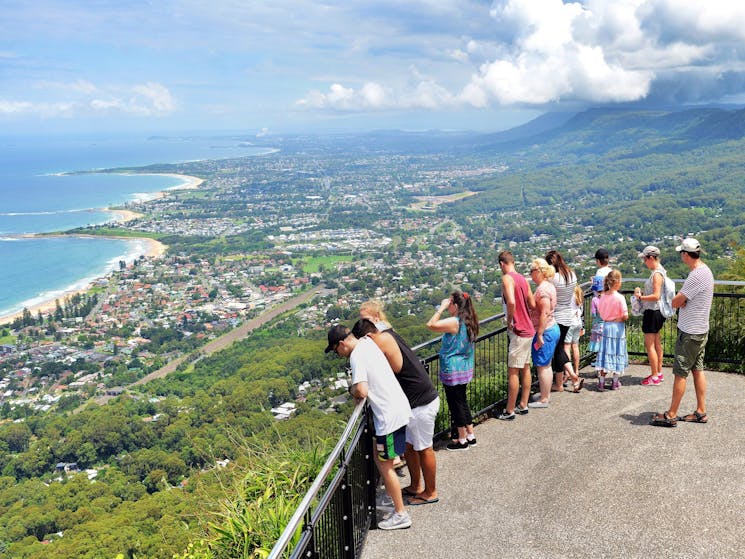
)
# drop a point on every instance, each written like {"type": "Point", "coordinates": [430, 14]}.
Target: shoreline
{"type": "Point", "coordinates": [153, 248]}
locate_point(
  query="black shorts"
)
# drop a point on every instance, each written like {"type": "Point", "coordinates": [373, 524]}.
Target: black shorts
{"type": "Point", "coordinates": [652, 321]}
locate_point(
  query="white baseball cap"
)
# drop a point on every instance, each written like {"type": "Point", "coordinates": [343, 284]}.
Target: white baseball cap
{"type": "Point", "coordinates": [689, 245]}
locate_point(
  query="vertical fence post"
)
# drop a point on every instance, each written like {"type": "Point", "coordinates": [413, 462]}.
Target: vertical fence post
{"type": "Point", "coordinates": [372, 471]}
{"type": "Point", "coordinates": [347, 518]}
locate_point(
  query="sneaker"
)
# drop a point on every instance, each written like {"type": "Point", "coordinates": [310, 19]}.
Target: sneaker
{"type": "Point", "coordinates": [521, 411]}
{"type": "Point", "coordinates": [457, 445]}
{"type": "Point", "coordinates": [384, 500]}
{"type": "Point", "coordinates": [651, 381]}
{"type": "Point", "coordinates": [616, 384]}
{"type": "Point", "coordinates": [396, 521]}
{"type": "Point", "coordinates": [472, 442]}
{"type": "Point", "coordinates": [660, 377]}
{"type": "Point", "coordinates": [538, 404]}
{"type": "Point", "coordinates": [504, 416]}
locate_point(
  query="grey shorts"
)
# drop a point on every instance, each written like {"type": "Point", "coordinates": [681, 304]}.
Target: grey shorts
{"type": "Point", "coordinates": [573, 334]}
{"type": "Point", "coordinates": [689, 353]}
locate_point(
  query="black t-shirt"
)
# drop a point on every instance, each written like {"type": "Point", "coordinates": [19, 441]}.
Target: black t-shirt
{"type": "Point", "coordinates": [413, 378]}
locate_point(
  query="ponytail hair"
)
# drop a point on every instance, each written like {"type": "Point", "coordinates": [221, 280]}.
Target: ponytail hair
{"type": "Point", "coordinates": [613, 278]}
{"type": "Point", "coordinates": [579, 296]}
{"type": "Point", "coordinates": [466, 313]}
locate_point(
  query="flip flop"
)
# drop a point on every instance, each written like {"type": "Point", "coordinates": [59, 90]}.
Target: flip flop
{"type": "Point", "coordinates": [416, 501]}
{"type": "Point", "coordinates": [406, 492]}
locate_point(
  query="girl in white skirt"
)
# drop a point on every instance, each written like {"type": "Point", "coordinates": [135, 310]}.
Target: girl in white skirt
{"type": "Point", "coordinates": [612, 355]}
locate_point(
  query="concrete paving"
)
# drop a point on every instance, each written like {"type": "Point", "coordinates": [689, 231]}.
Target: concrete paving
{"type": "Point", "coordinates": [589, 477]}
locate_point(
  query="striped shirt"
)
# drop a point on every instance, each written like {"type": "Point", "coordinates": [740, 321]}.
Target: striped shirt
{"type": "Point", "coordinates": [563, 313]}
{"type": "Point", "coordinates": [693, 318]}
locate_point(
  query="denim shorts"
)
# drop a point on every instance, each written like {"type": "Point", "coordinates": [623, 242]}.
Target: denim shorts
{"type": "Point", "coordinates": [573, 336]}
{"type": "Point", "coordinates": [543, 356]}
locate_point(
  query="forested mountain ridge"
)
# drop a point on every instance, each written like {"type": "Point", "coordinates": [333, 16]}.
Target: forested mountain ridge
{"type": "Point", "coordinates": [600, 131]}
{"type": "Point", "coordinates": [638, 175]}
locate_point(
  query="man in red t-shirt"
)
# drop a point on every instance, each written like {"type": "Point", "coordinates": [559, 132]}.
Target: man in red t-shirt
{"type": "Point", "coordinates": [517, 299]}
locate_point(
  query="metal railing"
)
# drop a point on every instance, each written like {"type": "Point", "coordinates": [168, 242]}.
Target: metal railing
{"type": "Point", "coordinates": [336, 523]}
{"type": "Point", "coordinates": [725, 348]}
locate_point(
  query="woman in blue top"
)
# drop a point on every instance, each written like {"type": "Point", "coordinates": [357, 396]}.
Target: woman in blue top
{"type": "Point", "coordinates": [459, 332]}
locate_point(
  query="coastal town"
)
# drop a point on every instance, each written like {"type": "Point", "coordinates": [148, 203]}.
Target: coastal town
{"type": "Point", "coordinates": [243, 235]}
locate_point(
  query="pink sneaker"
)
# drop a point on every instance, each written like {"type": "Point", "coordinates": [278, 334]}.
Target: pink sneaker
{"type": "Point", "coordinates": [651, 381]}
{"type": "Point", "coordinates": [660, 377]}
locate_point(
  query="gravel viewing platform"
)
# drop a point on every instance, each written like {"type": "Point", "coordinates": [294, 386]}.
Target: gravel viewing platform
{"type": "Point", "coordinates": [590, 477]}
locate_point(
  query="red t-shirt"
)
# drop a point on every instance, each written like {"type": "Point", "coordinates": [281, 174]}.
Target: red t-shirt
{"type": "Point", "coordinates": [523, 326]}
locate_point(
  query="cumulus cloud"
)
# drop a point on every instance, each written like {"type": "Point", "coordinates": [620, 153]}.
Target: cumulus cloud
{"type": "Point", "coordinates": [543, 52]}
{"type": "Point", "coordinates": [87, 99]}
{"type": "Point", "coordinates": [374, 96]}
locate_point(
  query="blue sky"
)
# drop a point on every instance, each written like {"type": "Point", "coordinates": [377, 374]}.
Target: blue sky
{"type": "Point", "coordinates": [308, 65]}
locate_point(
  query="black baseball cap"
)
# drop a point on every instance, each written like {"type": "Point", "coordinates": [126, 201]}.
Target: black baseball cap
{"type": "Point", "coordinates": [602, 254]}
{"type": "Point", "coordinates": [337, 333]}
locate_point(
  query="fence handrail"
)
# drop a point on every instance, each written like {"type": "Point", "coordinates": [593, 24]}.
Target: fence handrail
{"type": "Point", "coordinates": [315, 488]}
{"type": "Point", "coordinates": [433, 341]}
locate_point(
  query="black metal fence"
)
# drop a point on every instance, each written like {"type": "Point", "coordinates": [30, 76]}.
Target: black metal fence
{"type": "Point", "coordinates": [725, 348]}
{"type": "Point", "coordinates": [334, 524]}
{"type": "Point", "coordinates": [335, 515]}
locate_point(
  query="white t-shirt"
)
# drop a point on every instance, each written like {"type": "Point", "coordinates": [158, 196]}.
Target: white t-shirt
{"type": "Point", "coordinates": [604, 271]}
{"type": "Point", "coordinates": [389, 404]}
{"type": "Point", "coordinates": [563, 312]}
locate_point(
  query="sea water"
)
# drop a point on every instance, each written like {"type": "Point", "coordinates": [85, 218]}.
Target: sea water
{"type": "Point", "coordinates": [40, 192]}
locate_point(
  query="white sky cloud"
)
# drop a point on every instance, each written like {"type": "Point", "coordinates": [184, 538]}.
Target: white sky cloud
{"type": "Point", "coordinates": [85, 99]}
{"type": "Point", "coordinates": [549, 51]}
{"type": "Point", "coordinates": [292, 57]}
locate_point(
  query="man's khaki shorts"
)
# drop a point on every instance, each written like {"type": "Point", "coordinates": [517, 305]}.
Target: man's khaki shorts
{"type": "Point", "coordinates": [689, 353]}
{"type": "Point", "coordinates": [518, 353]}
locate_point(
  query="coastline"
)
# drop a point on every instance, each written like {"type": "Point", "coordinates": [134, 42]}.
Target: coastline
{"type": "Point", "coordinates": [153, 248]}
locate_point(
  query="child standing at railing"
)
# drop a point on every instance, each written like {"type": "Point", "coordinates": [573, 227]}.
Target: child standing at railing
{"type": "Point", "coordinates": [576, 329]}
{"type": "Point", "coordinates": [613, 356]}
{"type": "Point", "coordinates": [596, 330]}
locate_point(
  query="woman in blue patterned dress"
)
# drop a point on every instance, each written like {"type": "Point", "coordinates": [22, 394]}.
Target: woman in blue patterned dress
{"type": "Point", "coordinates": [459, 332]}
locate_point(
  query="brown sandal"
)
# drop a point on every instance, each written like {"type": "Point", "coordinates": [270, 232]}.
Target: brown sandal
{"type": "Point", "coordinates": [579, 385]}
{"type": "Point", "coordinates": [663, 420]}
{"type": "Point", "coordinates": [695, 417]}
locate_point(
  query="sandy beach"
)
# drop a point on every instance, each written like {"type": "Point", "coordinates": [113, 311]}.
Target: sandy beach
{"type": "Point", "coordinates": [153, 248]}
{"type": "Point", "coordinates": [189, 181]}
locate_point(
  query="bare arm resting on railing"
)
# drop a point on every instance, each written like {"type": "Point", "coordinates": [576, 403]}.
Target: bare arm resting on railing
{"type": "Point", "coordinates": [359, 391]}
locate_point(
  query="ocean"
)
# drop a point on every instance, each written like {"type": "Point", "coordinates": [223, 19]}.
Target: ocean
{"type": "Point", "coordinates": [37, 197]}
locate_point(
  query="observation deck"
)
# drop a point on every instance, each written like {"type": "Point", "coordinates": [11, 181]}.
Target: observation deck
{"type": "Point", "coordinates": [589, 477]}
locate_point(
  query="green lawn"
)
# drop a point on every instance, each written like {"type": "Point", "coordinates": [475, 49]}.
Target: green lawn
{"type": "Point", "coordinates": [313, 264]}
{"type": "Point", "coordinates": [7, 340]}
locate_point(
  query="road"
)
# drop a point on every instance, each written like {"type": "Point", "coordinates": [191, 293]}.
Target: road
{"type": "Point", "coordinates": [225, 340]}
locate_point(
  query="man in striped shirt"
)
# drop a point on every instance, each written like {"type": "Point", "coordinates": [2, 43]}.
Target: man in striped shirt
{"type": "Point", "coordinates": [694, 301]}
